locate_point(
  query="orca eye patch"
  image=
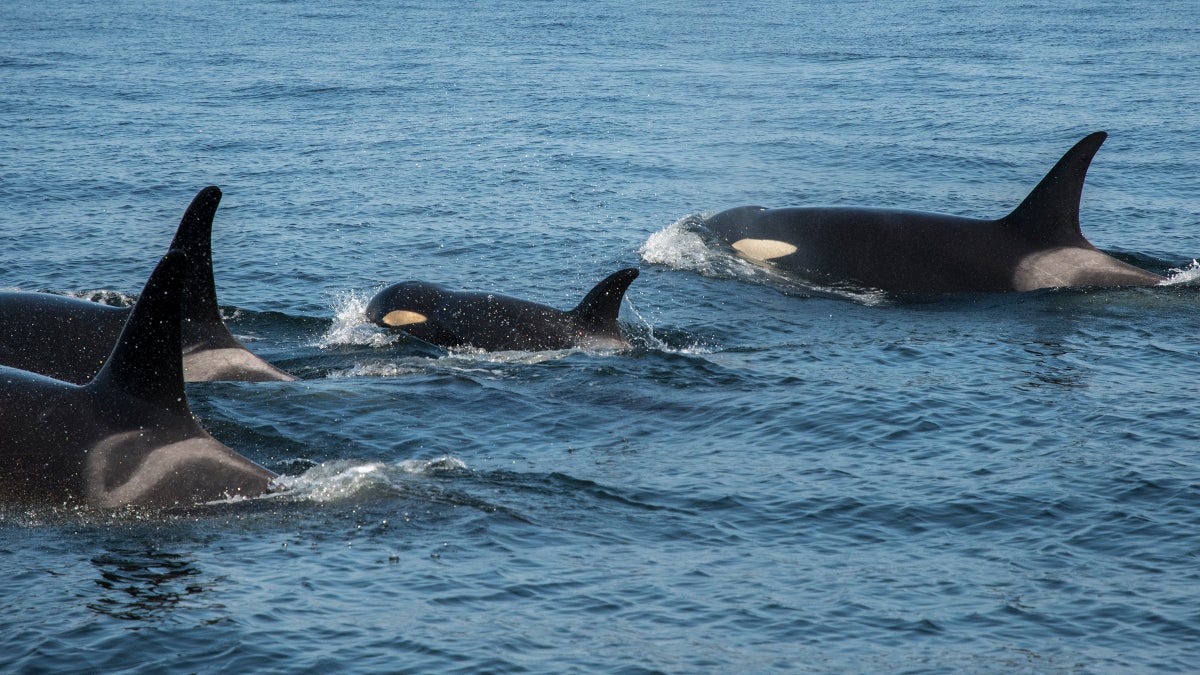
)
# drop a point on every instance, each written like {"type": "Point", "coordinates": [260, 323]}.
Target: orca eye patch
{"type": "Point", "coordinates": [763, 249]}
{"type": "Point", "coordinates": [403, 317]}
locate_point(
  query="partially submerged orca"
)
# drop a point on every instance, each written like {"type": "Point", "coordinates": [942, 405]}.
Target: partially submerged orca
{"type": "Point", "coordinates": [127, 437]}
{"type": "Point", "coordinates": [1038, 245]}
{"type": "Point", "coordinates": [69, 339]}
{"type": "Point", "coordinates": [493, 322]}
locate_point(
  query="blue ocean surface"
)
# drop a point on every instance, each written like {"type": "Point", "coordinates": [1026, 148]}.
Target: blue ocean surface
{"type": "Point", "coordinates": [773, 478]}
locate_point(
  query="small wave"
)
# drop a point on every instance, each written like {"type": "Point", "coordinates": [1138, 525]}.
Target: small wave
{"type": "Point", "coordinates": [345, 479]}
{"type": "Point", "coordinates": [1184, 275]}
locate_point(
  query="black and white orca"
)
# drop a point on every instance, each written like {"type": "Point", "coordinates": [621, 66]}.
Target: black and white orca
{"type": "Point", "coordinates": [1038, 245]}
{"type": "Point", "coordinates": [494, 322]}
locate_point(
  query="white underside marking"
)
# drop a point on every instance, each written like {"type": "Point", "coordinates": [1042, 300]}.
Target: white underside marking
{"type": "Point", "coordinates": [763, 249]}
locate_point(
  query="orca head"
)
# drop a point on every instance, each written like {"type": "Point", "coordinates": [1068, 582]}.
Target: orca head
{"type": "Point", "coordinates": [406, 304]}
{"type": "Point", "coordinates": [414, 308]}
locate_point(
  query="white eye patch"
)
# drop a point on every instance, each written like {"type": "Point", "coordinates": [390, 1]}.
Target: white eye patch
{"type": "Point", "coordinates": [403, 317]}
{"type": "Point", "coordinates": [763, 249]}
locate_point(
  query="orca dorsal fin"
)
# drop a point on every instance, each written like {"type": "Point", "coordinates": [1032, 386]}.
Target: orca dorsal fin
{"type": "Point", "coordinates": [599, 309]}
{"type": "Point", "coordinates": [1050, 213]}
{"type": "Point", "coordinates": [202, 324]}
{"type": "Point", "coordinates": [146, 362]}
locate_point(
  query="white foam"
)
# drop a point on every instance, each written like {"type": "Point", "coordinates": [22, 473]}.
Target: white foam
{"type": "Point", "coordinates": [678, 246]}
{"type": "Point", "coordinates": [350, 325]}
{"type": "Point", "coordinates": [459, 360]}
{"type": "Point", "coordinates": [469, 358]}
{"type": "Point", "coordinates": [382, 369]}
{"type": "Point", "coordinates": [1186, 275]}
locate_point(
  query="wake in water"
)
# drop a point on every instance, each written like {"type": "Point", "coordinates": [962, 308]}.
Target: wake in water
{"type": "Point", "coordinates": [679, 246]}
{"type": "Point", "coordinates": [344, 480]}
{"type": "Point", "coordinates": [643, 335]}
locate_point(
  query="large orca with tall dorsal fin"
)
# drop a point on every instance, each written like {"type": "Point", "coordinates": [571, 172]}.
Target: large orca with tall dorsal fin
{"type": "Point", "coordinates": [126, 437]}
{"type": "Point", "coordinates": [494, 322]}
{"type": "Point", "coordinates": [1038, 245]}
{"type": "Point", "coordinates": [69, 338]}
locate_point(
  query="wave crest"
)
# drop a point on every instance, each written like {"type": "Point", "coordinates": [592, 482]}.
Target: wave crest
{"type": "Point", "coordinates": [346, 479]}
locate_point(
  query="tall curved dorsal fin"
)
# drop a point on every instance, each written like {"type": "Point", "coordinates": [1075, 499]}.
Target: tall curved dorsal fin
{"type": "Point", "coordinates": [203, 327]}
{"type": "Point", "coordinates": [599, 309]}
{"type": "Point", "coordinates": [1050, 214]}
{"type": "Point", "coordinates": [146, 362]}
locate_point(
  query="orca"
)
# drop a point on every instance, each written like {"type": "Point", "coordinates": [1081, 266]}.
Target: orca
{"type": "Point", "coordinates": [494, 322]}
{"type": "Point", "coordinates": [127, 437]}
{"type": "Point", "coordinates": [69, 338]}
{"type": "Point", "coordinates": [1038, 245]}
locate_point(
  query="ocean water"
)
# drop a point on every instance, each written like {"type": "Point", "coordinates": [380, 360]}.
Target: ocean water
{"type": "Point", "coordinates": [774, 478]}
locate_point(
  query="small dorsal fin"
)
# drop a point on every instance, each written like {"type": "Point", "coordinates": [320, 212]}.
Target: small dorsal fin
{"type": "Point", "coordinates": [599, 309]}
{"type": "Point", "coordinates": [146, 362]}
{"type": "Point", "coordinates": [1050, 214]}
{"type": "Point", "coordinates": [202, 327]}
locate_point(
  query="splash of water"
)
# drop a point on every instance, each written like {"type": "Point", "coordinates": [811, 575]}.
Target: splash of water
{"type": "Point", "coordinates": [350, 325]}
{"type": "Point", "coordinates": [1185, 275]}
{"type": "Point", "coordinates": [643, 335]}
{"type": "Point", "coordinates": [679, 246]}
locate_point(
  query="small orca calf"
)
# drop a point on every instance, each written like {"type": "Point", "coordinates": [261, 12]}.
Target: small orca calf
{"type": "Point", "coordinates": [127, 437]}
{"type": "Point", "coordinates": [69, 339]}
{"type": "Point", "coordinates": [1038, 245]}
{"type": "Point", "coordinates": [492, 322]}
